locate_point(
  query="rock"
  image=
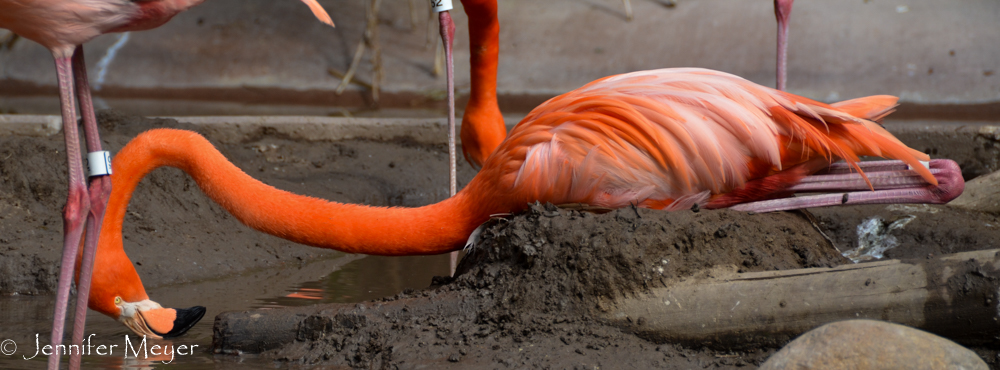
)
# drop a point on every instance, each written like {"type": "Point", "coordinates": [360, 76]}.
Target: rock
{"type": "Point", "coordinates": [981, 194]}
{"type": "Point", "coordinates": [869, 344]}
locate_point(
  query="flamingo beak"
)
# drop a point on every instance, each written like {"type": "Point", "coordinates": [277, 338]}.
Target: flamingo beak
{"type": "Point", "coordinates": [149, 319]}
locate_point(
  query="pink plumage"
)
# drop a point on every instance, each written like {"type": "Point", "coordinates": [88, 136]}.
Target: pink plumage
{"type": "Point", "coordinates": [670, 138]}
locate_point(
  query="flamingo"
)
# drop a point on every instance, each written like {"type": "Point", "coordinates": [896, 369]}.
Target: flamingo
{"type": "Point", "coordinates": [665, 139]}
{"type": "Point", "coordinates": [63, 26]}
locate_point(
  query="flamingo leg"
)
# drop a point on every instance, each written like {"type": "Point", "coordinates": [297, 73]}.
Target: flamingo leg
{"type": "Point", "coordinates": [77, 203]}
{"type": "Point", "coordinates": [782, 10]}
{"type": "Point", "coordinates": [448, 38]}
{"type": "Point", "coordinates": [873, 166]}
{"type": "Point", "coordinates": [100, 190]}
{"type": "Point", "coordinates": [893, 186]}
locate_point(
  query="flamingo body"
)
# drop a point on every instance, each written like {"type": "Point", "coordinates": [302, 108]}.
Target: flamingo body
{"type": "Point", "coordinates": [655, 138]}
{"type": "Point", "coordinates": [61, 25]}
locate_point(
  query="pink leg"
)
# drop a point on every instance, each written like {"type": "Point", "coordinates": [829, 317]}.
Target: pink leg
{"type": "Point", "coordinates": [867, 166]}
{"type": "Point", "coordinates": [895, 186]}
{"type": "Point", "coordinates": [782, 9]}
{"type": "Point", "coordinates": [879, 180]}
{"type": "Point", "coordinates": [100, 190]}
{"type": "Point", "coordinates": [77, 204]}
{"type": "Point", "coordinates": [448, 36]}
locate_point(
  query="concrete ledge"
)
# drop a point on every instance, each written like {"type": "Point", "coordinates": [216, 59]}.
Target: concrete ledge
{"type": "Point", "coordinates": [234, 128]}
{"type": "Point", "coordinates": [229, 129]}
{"type": "Point", "coordinates": [29, 125]}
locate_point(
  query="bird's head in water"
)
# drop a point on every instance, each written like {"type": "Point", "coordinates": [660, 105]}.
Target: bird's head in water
{"type": "Point", "coordinates": [150, 319]}
{"type": "Point", "coordinates": [146, 317]}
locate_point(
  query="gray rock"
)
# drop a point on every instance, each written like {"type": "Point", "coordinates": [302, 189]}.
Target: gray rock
{"type": "Point", "coordinates": [869, 344]}
{"type": "Point", "coordinates": [981, 194]}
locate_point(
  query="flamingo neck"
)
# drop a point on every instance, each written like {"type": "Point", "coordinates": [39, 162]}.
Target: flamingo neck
{"type": "Point", "coordinates": [435, 228]}
{"type": "Point", "coordinates": [351, 228]}
{"type": "Point", "coordinates": [482, 125]}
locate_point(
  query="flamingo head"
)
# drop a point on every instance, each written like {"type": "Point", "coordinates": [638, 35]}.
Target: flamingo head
{"type": "Point", "coordinates": [118, 293]}
{"type": "Point", "coordinates": [148, 318]}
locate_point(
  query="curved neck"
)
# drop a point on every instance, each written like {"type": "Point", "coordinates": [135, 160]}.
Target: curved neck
{"type": "Point", "coordinates": [436, 228]}
{"type": "Point", "coordinates": [431, 229]}
{"type": "Point", "coordinates": [482, 124]}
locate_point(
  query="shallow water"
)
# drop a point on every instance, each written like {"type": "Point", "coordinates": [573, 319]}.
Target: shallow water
{"type": "Point", "coordinates": [344, 278]}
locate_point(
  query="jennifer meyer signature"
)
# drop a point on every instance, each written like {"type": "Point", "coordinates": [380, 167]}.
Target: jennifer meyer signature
{"type": "Point", "coordinates": [132, 347]}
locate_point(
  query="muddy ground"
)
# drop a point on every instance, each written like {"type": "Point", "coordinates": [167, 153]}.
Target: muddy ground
{"type": "Point", "coordinates": [529, 291]}
{"type": "Point", "coordinates": [531, 294]}
{"type": "Point", "coordinates": [172, 230]}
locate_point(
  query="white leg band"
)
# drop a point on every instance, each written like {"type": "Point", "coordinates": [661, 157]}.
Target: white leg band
{"type": "Point", "coordinates": [441, 5]}
{"type": "Point", "coordinates": [99, 163]}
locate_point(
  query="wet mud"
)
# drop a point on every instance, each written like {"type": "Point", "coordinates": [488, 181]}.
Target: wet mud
{"type": "Point", "coordinates": [531, 293]}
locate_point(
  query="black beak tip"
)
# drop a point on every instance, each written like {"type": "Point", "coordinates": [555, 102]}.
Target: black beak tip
{"type": "Point", "coordinates": [186, 318]}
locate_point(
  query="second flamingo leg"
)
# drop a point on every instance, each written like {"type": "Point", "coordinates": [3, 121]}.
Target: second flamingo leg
{"type": "Point", "coordinates": [77, 204]}
{"type": "Point", "coordinates": [880, 187]}
{"type": "Point", "coordinates": [99, 191]}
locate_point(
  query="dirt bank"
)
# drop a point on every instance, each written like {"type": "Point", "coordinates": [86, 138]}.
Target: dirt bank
{"type": "Point", "coordinates": [533, 289]}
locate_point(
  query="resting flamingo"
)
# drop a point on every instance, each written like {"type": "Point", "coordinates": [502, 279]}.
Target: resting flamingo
{"type": "Point", "coordinates": [63, 26]}
{"type": "Point", "coordinates": [664, 139]}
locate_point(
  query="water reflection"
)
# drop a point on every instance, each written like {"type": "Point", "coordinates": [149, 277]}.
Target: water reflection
{"type": "Point", "coordinates": [363, 280]}
{"type": "Point", "coordinates": [342, 279]}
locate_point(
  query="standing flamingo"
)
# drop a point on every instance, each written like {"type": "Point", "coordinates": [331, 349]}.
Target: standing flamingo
{"type": "Point", "coordinates": [664, 139]}
{"type": "Point", "coordinates": [63, 26]}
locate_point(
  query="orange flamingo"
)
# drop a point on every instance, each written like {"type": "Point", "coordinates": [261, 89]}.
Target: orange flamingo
{"type": "Point", "coordinates": [63, 26]}
{"type": "Point", "coordinates": [665, 139]}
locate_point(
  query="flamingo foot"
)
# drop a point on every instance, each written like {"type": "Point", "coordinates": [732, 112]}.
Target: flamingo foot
{"type": "Point", "coordinates": [890, 186]}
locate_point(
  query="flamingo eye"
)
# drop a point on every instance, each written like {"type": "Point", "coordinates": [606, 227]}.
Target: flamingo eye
{"type": "Point", "coordinates": [118, 300]}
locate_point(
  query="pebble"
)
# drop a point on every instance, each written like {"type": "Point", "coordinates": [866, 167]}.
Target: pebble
{"type": "Point", "coordinates": [870, 344]}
